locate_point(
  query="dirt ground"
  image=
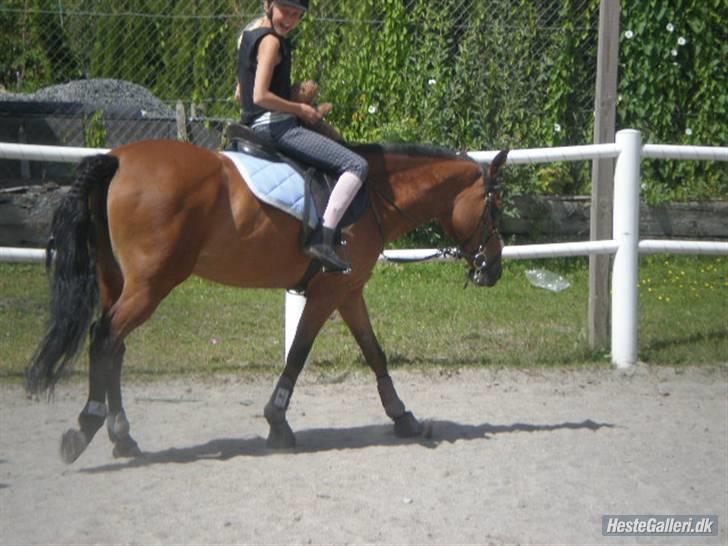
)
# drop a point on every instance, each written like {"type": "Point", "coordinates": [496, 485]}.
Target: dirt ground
{"type": "Point", "coordinates": [529, 457]}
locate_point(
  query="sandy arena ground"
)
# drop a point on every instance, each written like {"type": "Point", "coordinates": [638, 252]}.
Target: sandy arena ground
{"type": "Point", "coordinates": [530, 457]}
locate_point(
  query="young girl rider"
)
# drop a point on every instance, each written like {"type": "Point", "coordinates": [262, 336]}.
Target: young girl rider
{"type": "Point", "coordinates": [264, 74]}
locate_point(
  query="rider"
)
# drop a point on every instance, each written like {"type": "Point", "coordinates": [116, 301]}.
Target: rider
{"type": "Point", "coordinates": [255, 23]}
{"type": "Point", "coordinates": [264, 73]}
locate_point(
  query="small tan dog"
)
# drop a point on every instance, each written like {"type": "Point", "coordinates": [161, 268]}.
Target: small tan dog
{"type": "Point", "coordinates": [307, 92]}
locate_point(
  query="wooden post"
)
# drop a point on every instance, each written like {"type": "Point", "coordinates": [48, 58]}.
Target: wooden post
{"type": "Point", "coordinates": [600, 228]}
{"type": "Point", "coordinates": [24, 163]}
{"type": "Point", "coordinates": [181, 122]}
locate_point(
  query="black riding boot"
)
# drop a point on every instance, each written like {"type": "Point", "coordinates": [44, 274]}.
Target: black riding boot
{"type": "Point", "coordinates": [321, 248]}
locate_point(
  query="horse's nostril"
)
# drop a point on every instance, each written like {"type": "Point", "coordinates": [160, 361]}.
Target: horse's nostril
{"type": "Point", "coordinates": [492, 275]}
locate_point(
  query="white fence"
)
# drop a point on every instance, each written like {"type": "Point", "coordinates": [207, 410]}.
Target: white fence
{"type": "Point", "coordinates": [625, 243]}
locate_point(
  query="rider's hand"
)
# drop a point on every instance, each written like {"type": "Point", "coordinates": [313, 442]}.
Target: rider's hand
{"type": "Point", "coordinates": [309, 114]}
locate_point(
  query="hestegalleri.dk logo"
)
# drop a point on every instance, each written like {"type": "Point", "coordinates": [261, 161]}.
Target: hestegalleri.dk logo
{"type": "Point", "coordinates": [683, 525]}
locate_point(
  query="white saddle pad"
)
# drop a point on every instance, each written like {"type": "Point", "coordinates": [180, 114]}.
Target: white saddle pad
{"type": "Point", "coordinates": [276, 184]}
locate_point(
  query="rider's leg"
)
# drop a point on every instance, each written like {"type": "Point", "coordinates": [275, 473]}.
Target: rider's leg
{"type": "Point", "coordinates": [315, 149]}
{"type": "Point", "coordinates": [341, 197]}
{"type": "Point", "coordinates": [323, 244]}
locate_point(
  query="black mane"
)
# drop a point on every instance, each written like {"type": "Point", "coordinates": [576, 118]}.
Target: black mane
{"type": "Point", "coordinates": [409, 149]}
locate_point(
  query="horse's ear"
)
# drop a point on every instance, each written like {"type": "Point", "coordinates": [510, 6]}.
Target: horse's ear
{"type": "Point", "coordinates": [495, 166]}
{"type": "Point", "coordinates": [498, 161]}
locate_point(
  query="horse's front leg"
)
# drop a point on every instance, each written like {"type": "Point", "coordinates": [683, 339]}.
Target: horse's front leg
{"type": "Point", "coordinates": [355, 314]}
{"type": "Point", "coordinates": [314, 315]}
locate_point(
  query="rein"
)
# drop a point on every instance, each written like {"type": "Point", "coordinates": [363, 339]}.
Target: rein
{"type": "Point", "coordinates": [439, 253]}
{"type": "Point", "coordinates": [392, 204]}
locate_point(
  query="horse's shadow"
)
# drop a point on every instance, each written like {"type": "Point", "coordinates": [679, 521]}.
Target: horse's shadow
{"type": "Point", "coordinates": [329, 439]}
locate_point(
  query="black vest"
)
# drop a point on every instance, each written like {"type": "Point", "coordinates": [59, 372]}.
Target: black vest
{"type": "Point", "coordinates": [247, 64]}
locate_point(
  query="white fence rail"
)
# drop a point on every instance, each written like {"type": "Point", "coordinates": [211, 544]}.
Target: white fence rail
{"type": "Point", "coordinates": [38, 152]}
{"type": "Point", "coordinates": [22, 255]}
{"type": "Point", "coordinates": [625, 243]}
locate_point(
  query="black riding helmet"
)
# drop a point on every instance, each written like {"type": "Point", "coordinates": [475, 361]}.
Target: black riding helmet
{"type": "Point", "coordinates": [300, 4]}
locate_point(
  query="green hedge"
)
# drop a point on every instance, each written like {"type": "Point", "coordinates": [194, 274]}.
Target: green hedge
{"type": "Point", "coordinates": [674, 87]}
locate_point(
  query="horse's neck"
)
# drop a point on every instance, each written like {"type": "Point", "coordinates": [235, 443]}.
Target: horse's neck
{"type": "Point", "coordinates": [417, 190]}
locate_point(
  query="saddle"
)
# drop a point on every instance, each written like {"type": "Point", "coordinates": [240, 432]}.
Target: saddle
{"type": "Point", "coordinates": [318, 184]}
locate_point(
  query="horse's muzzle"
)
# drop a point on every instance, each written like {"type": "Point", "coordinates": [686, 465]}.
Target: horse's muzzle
{"type": "Point", "coordinates": [486, 274]}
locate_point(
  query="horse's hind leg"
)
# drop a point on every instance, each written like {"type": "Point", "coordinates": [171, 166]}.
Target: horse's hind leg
{"type": "Point", "coordinates": [136, 304]}
{"type": "Point", "coordinates": [105, 357]}
{"type": "Point", "coordinates": [355, 314]}
{"type": "Point", "coordinates": [102, 356]}
{"type": "Point", "coordinates": [117, 425]}
{"type": "Point", "coordinates": [106, 354]}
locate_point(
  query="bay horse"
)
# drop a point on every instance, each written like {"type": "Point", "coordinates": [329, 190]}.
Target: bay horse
{"type": "Point", "coordinates": [141, 219]}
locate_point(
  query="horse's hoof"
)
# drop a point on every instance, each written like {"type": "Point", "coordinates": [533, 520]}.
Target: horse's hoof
{"type": "Point", "coordinates": [281, 436]}
{"type": "Point", "coordinates": [407, 426]}
{"type": "Point", "coordinates": [125, 448]}
{"type": "Point", "coordinates": [73, 443]}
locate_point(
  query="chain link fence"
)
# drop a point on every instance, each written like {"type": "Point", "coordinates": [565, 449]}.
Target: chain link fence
{"type": "Point", "coordinates": [462, 73]}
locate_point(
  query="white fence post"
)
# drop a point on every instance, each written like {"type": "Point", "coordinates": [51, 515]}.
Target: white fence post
{"type": "Point", "coordinates": [625, 271]}
{"type": "Point", "coordinates": [293, 310]}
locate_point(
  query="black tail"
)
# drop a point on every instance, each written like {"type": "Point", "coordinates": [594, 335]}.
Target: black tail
{"type": "Point", "coordinates": [73, 292]}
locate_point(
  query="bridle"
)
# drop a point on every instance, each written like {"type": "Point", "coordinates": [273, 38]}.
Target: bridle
{"type": "Point", "coordinates": [488, 227]}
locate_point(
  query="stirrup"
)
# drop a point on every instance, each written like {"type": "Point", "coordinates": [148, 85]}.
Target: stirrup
{"type": "Point", "coordinates": [329, 271]}
{"type": "Point", "coordinates": [329, 259]}
{"type": "Point", "coordinates": [321, 247]}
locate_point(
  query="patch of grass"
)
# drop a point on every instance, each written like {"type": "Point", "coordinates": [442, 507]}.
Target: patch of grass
{"type": "Point", "coordinates": [683, 309]}
{"type": "Point", "coordinates": [23, 304]}
{"type": "Point", "coordinates": [204, 327]}
{"type": "Point", "coordinates": [421, 313]}
{"type": "Point", "coordinates": [424, 315]}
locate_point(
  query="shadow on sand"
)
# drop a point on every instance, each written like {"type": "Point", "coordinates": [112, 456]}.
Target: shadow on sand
{"type": "Point", "coordinates": [329, 439]}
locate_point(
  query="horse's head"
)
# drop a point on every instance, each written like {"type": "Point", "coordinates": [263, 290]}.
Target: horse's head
{"type": "Point", "coordinates": [475, 224]}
